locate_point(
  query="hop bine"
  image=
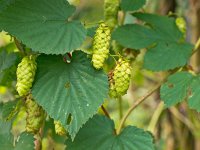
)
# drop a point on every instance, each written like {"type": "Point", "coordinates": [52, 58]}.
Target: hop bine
{"type": "Point", "coordinates": [101, 45]}
{"type": "Point", "coordinates": [25, 74]}
{"type": "Point", "coordinates": [60, 130]}
{"type": "Point", "coordinates": [35, 115]}
{"type": "Point", "coordinates": [119, 79]}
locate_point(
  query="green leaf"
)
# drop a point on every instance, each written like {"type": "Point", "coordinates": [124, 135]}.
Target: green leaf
{"type": "Point", "coordinates": [6, 138]}
{"type": "Point", "coordinates": [91, 31]}
{"type": "Point", "coordinates": [166, 56]}
{"type": "Point", "coordinates": [6, 60]}
{"type": "Point", "coordinates": [69, 90]}
{"type": "Point", "coordinates": [5, 3]}
{"type": "Point", "coordinates": [132, 5]}
{"type": "Point", "coordinates": [10, 109]}
{"type": "Point", "coordinates": [8, 76]}
{"type": "Point", "coordinates": [166, 50]}
{"type": "Point", "coordinates": [98, 133]}
{"type": "Point", "coordinates": [25, 141]}
{"type": "Point", "coordinates": [176, 88]}
{"type": "Point", "coordinates": [181, 86]}
{"type": "Point", "coordinates": [43, 25]}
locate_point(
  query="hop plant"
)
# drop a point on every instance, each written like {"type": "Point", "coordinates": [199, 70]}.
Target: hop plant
{"type": "Point", "coordinates": [60, 130]}
{"type": "Point", "coordinates": [35, 115]}
{"type": "Point", "coordinates": [25, 74]}
{"type": "Point", "coordinates": [119, 79]}
{"type": "Point", "coordinates": [181, 24]}
{"type": "Point", "coordinates": [111, 8]}
{"type": "Point", "coordinates": [101, 45]}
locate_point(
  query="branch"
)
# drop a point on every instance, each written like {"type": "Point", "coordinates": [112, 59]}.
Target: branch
{"type": "Point", "coordinates": [155, 117]}
{"type": "Point", "coordinates": [137, 103]}
{"type": "Point", "coordinates": [105, 111]}
{"type": "Point", "coordinates": [19, 46]}
{"type": "Point", "coordinates": [197, 46]}
{"type": "Point", "coordinates": [182, 118]}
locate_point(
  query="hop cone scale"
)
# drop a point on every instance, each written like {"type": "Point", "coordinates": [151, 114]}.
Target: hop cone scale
{"type": "Point", "coordinates": [25, 74]}
{"type": "Point", "coordinates": [35, 115]}
{"type": "Point", "coordinates": [181, 24]}
{"type": "Point", "coordinates": [119, 79]}
{"type": "Point", "coordinates": [60, 130]}
{"type": "Point", "coordinates": [101, 45]}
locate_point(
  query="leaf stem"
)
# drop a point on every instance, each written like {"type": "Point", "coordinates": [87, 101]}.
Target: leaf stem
{"type": "Point", "coordinates": [19, 46]}
{"type": "Point", "coordinates": [105, 111]}
{"type": "Point", "coordinates": [137, 103]}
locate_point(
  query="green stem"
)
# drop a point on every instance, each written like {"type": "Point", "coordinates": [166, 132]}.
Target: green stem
{"type": "Point", "coordinates": [197, 46]}
{"type": "Point", "coordinates": [19, 46]}
{"type": "Point", "coordinates": [155, 117]}
{"type": "Point", "coordinates": [105, 111]}
{"type": "Point", "coordinates": [137, 103]}
{"type": "Point", "coordinates": [120, 107]}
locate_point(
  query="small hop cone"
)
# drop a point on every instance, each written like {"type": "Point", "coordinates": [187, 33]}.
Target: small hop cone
{"type": "Point", "coordinates": [181, 24]}
{"type": "Point", "coordinates": [60, 130]}
{"type": "Point", "coordinates": [101, 45]}
{"type": "Point", "coordinates": [25, 74]}
{"type": "Point", "coordinates": [111, 8]}
{"type": "Point", "coordinates": [35, 115]}
{"type": "Point", "coordinates": [120, 79]}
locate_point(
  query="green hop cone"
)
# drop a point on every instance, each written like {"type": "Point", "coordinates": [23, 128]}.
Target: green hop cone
{"type": "Point", "coordinates": [60, 130]}
{"type": "Point", "coordinates": [35, 115]}
{"type": "Point", "coordinates": [25, 74]}
{"type": "Point", "coordinates": [111, 8]}
{"type": "Point", "coordinates": [181, 24]}
{"type": "Point", "coordinates": [101, 45]}
{"type": "Point", "coordinates": [119, 79]}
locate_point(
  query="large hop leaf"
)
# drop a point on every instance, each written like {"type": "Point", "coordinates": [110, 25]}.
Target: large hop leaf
{"type": "Point", "coordinates": [43, 25]}
{"type": "Point", "coordinates": [73, 91]}
{"type": "Point", "coordinates": [98, 134]}
{"type": "Point", "coordinates": [166, 47]}
{"type": "Point", "coordinates": [181, 86]}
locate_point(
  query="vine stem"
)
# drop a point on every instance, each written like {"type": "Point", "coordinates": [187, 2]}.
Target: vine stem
{"type": "Point", "coordinates": [105, 111]}
{"type": "Point", "coordinates": [120, 107]}
{"type": "Point", "coordinates": [196, 47]}
{"type": "Point", "coordinates": [19, 46]}
{"type": "Point", "coordinates": [183, 119]}
{"type": "Point", "coordinates": [155, 117]}
{"type": "Point", "coordinates": [137, 103]}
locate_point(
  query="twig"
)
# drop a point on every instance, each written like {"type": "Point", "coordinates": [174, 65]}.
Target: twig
{"type": "Point", "coordinates": [182, 118]}
{"type": "Point", "coordinates": [137, 103]}
{"type": "Point", "coordinates": [155, 117]}
{"type": "Point", "coordinates": [19, 46]}
{"type": "Point", "coordinates": [105, 111]}
{"type": "Point", "coordinates": [38, 142]}
{"type": "Point", "coordinates": [197, 46]}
